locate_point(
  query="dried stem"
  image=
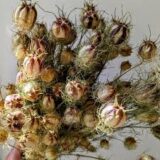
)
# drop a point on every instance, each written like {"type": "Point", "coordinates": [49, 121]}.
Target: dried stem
{"type": "Point", "coordinates": [81, 155]}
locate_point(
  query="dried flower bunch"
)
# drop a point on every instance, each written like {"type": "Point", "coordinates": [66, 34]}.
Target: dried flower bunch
{"type": "Point", "coordinates": [57, 103]}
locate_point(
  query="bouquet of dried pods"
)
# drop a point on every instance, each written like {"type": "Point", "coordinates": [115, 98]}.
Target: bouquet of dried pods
{"type": "Point", "coordinates": [57, 104]}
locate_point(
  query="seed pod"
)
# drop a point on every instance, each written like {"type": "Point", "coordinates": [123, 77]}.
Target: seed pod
{"type": "Point", "coordinates": [32, 67]}
{"type": "Point", "coordinates": [25, 16]}
{"type": "Point", "coordinates": [15, 121]}
{"type": "Point", "coordinates": [3, 135]}
{"type": "Point", "coordinates": [20, 52]}
{"type": "Point", "coordinates": [63, 31]}
{"type": "Point", "coordinates": [105, 93]}
{"type": "Point", "coordinates": [90, 120]}
{"type": "Point", "coordinates": [48, 74]}
{"type": "Point", "coordinates": [57, 89]}
{"type": "Point", "coordinates": [125, 50]}
{"type": "Point", "coordinates": [125, 66]}
{"type": "Point", "coordinates": [130, 143]}
{"type": "Point", "coordinates": [29, 140]}
{"type": "Point", "coordinates": [10, 89]}
{"type": "Point", "coordinates": [39, 31]}
{"type": "Point", "coordinates": [119, 32]}
{"type": "Point", "coordinates": [147, 50]}
{"type": "Point", "coordinates": [75, 90]}
{"type": "Point", "coordinates": [50, 139]}
{"type": "Point", "coordinates": [39, 48]}
{"type": "Point", "coordinates": [112, 115]}
{"type": "Point", "coordinates": [156, 131]}
{"type": "Point", "coordinates": [52, 122]}
{"type": "Point", "coordinates": [146, 157]}
{"type": "Point", "coordinates": [89, 16]}
{"type": "Point", "coordinates": [32, 123]}
{"type": "Point", "coordinates": [31, 91]}
{"type": "Point", "coordinates": [48, 104]}
{"type": "Point", "coordinates": [72, 116]}
{"type": "Point", "coordinates": [86, 57]}
{"type": "Point", "coordinates": [13, 101]}
{"type": "Point", "coordinates": [51, 153]}
{"type": "Point", "coordinates": [20, 78]}
{"type": "Point", "coordinates": [20, 39]}
{"type": "Point", "coordinates": [67, 57]}
{"type": "Point", "coordinates": [104, 143]}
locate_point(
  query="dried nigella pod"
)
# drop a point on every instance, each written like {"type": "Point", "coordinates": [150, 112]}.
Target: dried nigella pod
{"type": "Point", "coordinates": [125, 66]}
{"type": "Point", "coordinates": [32, 123]}
{"type": "Point", "coordinates": [51, 153]}
{"type": "Point", "coordinates": [72, 116]}
{"type": "Point", "coordinates": [20, 78]}
{"type": "Point", "coordinates": [48, 104]}
{"type": "Point", "coordinates": [125, 50]}
{"type": "Point", "coordinates": [105, 93]}
{"type": "Point", "coordinates": [10, 89]}
{"type": "Point", "coordinates": [39, 30]}
{"type": "Point", "coordinates": [104, 143]}
{"type": "Point", "coordinates": [67, 57]}
{"type": "Point", "coordinates": [146, 157]}
{"type": "Point", "coordinates": [52, 122]}
{"type": "Point", "coordinates": [63, 31]}
{"type": "Point", "coordinates": [130, 143]}
{"type": "Point", "coordinates": [13, 101]}
{"type": "Point", "coordinates": [147, 50]}
{"type": "Point", "coordinates": [29, 140]}
{"type": "Point", "coordinates": [119, 31]}
{"type": "Point", "coordinates": [25, 16]}
{"type": "Point", "coordinates": [75, 90]}
{"type": "Point", "coordinates": [38, 47]}
{"type": "Point", "coordinates": [111, 115]}
{"type": "Point", "coordinates": [90, 119]}
{"type": "Point", "coordinates": [50, 138]}
{"type": "Point", "coordinates": [48, 74]}
{"type": "Point", "coordinates": [89, 16]}
{"type": "Point", "coordinates": [58, 89]}
{"type": "Point", "coordinates": [156, 131]}
{"type": "Point", "coordinates": [32, 67]}
{"type": "Point", "coordinates": [86, 58]}
{"type": "Point", "coordinates": [31, 91]}
{"type": "Point", "coordinates": [15, 121]}
{"type": "Point", "coordinates": [20, 39]}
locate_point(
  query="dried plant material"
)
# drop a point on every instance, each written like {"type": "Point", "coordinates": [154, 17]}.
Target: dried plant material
{"type": "Point", "coordinates": [104, 143]}
{"type": "Point", "coordinates": [58, 103]}
{"type": "Point", "coordinates": [146, 157]}
{"type": "Point", "coordinates": [125, 66]}
{"type": "Point", "coordinates": [25, 16]}
{"type": "Point", "coordinates": [130, 143]}
{"type": "Point", "coordinates": [148, 50]}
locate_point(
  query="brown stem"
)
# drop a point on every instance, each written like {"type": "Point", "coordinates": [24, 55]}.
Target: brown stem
{"type": "Point", "coordinates": [81, 155]}
{"type": "Point", "coordinates": [128, 71]}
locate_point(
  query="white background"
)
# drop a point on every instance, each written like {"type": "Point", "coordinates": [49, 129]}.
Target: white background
{"type": "Point", "coordinates": [143, 12]}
